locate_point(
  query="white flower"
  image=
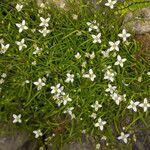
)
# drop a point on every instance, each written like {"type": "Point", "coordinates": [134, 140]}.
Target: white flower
{"type": "Point", "coordinates": [148, 73]}
{"type": "Point", "coordinates": [111, 3]}
{"type": "Point", "coordinates": [2, 81]}
{"type": "Point", "coordinates": [21, 26]}
{"type": "Point", "coordinates": [96, 106]}
{"type": "Point", "coordinates": [27, 81]}
{"type": "Point", "coordinates": [39, 84]}
{"type": "Point", "coordinates": [4, 48]}
{"type": "Point", "coordinates": [62, 5]}
{"type": "Point", "coordinates": [44, 22]}
{"type": "Point", "coordinates": [114, 45]}
{"type": "Point", "coordinates": [145, 105]}
{"type": "Point", "coordinates": [75, 17]}
{"type": "Point", "coordinates": [21, 44]}
{"type": "Point", "coordinates": [57, 89]}
{"type": "Point", "coordinates": [37, 51]}
{"type": "Point", "coordinates": [133, 105]}
{"type": "Point", "coordinates": [2, 41]}
{"type": "Point", "coordinates": [111, 88]}
{"type": "Point", "coordinates": [93, 26]}
{"type": "Point", "coordinates": [92, 56]}
{"type": "Point", "coordinates": [96, 38]}
{"type": "Point", "coordinates": [120, 61]}
{"type": "Point", "coordinates": [84, 64]}
{"type": "Point", "coordinates": [17, 118]}
{"type": "Point", "coordinates": [98, 146]}
{"type": "Point", "coordinates": [90, 75]}
{"type": "Point", "coordinates": [123, 137]}
{"type": "Point", "coordinates": [69, 110]}
{"type": "Point", "coordinates": [104, 138]}
{"type": "Point", "coordinates": [37, 133]}
{"type": "Point", "coordinates": [66, 99]}
{"type": "Point", "coordinates": [93, 115]}
{"type": "Point", "coordinates": [4, 75]}
{"type": "Point", "coordinates": [44, 31]}
{"type": "Point", "coordinates": [19, 7]}
{"type": "Point", "coordinates": [109, 75]}
{"type": "Point", "coordinates": [33, 63]}
{"type": "Point", "coordinates": [70, 78]}
{"type": "Point", "coordinates": [78, 56]}
{"type": "Point", "coordinates": [105, 53]}
{"type": "Point", "coordinates": [124, 35]}
{"type": "Point", "coordinates": [116, 97]}
{"type": "Point", "coordinates": [100, 124]}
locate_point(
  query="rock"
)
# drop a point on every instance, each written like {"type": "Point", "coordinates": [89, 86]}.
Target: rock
{"type": "Point", "coordinates": [138, 21]}
{"type": "Point", "coordinates": [12, 139]}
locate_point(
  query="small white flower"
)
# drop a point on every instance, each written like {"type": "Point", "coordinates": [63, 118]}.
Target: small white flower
{"type": "Point", "coordinates": [96, 106]}
{"type": "Point", "coordinates": [96, 38]}
{"type": "Point", "coordinates": [124, 35]}
{"type": "Point", "coordinates": [92, 56]}
{"type": "Point", "coordinates": [84, 64]}
{"type": "Point", "coordinates": [70, 78]}
{"type": "Point", "coordinates": [39, 84]}
{"type": "Point", "coordinates": [105, 53]}
{"type": "Point", "coordinates": [123, 137]}
{"type": "Point", "coordinates": [37, 51]}
{"type": "Point", "coordinates": [114, 46]}
{"type": "Point", "coordinates": [37, 133]}
{"type": "Point", "coordinates": [17, 118]}
{"type": "Point", "coordinates": [57, 89]}
{"type": "Point", "coordinates": [21, 26]}
{"type": "Point", "coordinates": [45, 31]}
{"type": "Point", "coordinates": [19, 7]}
{"type": "Point", "coordinates": [33, 30]}
{"type": "Point", "coordinates": [27, 81]}
{"type": "Point", "coordinates": [109, 75]}
{"type": "Point", "coordinates": [116, 97]}
{"type": "Point", "coordinates": [2, 81]}
{"type": "Point", "coordinates": [93, 26]}
{"type": "Point", "coordinates": [78, 56]}
{"type": "Point", "coordinates": [120, 61]}
{"type": "Point", "coordinates": [44, 22]}
{"type": "Point", "coordinates": [75, 17]}
{"type": "Point", "coordinates": [42, 5]}
{"type": "Point", "coordinates": [133, 105]}
{"type": "Point", "coordinates": [4, 75]}
{"type": "Point", "coordinates": [148, 73]}
{"type": "Point", "coordinates": [66, 99]}
{"type": "Point", "coordinates": [2, 41]}
{"type": "Point", "coordinates": [33, 63]}
{"type": "Point", "coordinates": [98, 146]}
{"type": "Point", "coordinates": [111, 3]}
{"type": "Point", "coordinates": [90, 75]}
{"type": "Point", "coordinates": [139, 79]}
{"type": "Point", "coordinates": [100, 124]}
{"type": "Point", "coordinates": [145, 105]}
{"type": "Point", "coordinates": [21, 44]}
{"type": "Point", "coordinates": [69, 110]}
{"type": "Point", "coordinates": [4, 48]}
{"type": "Point", "coordinates": [104, 138]}
{"type": "Point", "coordinates": [93, 115]}
{"type": "Point", "coordinates": [62, 5]}
{"type": "Point", "coordinates": [111, 88]}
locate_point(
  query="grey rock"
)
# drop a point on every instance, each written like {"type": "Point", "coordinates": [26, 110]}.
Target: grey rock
{"type": "Point", "coordinates": [12, 139]}
{"type": "Point", "coordinates": [138, 21]}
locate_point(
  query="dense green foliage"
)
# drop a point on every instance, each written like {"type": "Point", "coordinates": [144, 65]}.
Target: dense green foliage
{"type": "Point", "coordinates": [68, 36]}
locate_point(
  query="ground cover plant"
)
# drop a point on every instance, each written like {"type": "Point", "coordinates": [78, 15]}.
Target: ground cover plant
{"type": "Point", "coordinates": [65, 72]}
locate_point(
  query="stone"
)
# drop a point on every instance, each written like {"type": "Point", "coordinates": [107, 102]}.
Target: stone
{"type": "Point", "coordinates": [138, 21]}
{"type": "Point", "coordinates": [13, 139]}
